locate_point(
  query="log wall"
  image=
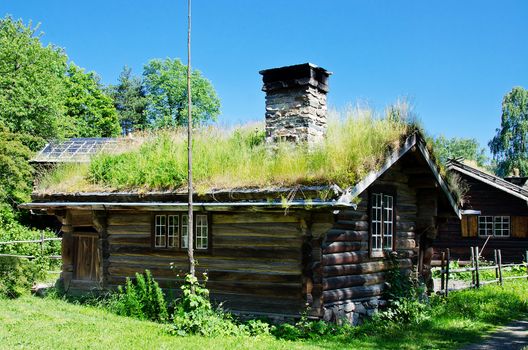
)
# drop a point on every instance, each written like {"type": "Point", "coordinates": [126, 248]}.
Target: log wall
{"type": "Point", "coordinates": [349, 273]}
{"type": "Point", "coordinates": [255, 263]}
{"type": "Point", "coordinates": [493, 202]}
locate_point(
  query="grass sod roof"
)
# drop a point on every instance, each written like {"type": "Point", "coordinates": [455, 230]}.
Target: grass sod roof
{"type": "Point", "coordinates": [357, 143]}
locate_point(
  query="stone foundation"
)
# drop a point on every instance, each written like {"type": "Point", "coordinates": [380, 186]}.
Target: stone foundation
{"type": "Point", "coordinates": [353, 312]}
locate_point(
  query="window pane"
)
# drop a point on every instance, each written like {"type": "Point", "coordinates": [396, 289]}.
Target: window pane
{"type": "Point", "coordinates": [485, 225]}
{"type": "Point", "coordinates": [376, 221]}
{"type": "Point", "coordinates": [173, 231]}
{"type": "Point", "coordinates": [388, 221]}
{"type": "Point", "coordinates": [202, 237]}
{"type": "Point", "coordinates": [185, 231]}
{"type": "Point", "coordinates": [502, 226]}
{"type": "Point", "coordinates": [159, 231]}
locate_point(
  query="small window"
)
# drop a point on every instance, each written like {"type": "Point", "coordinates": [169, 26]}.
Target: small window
{"type": "Point", "coordinates": [173, 234]}
{"type": "Point", "coordinates": [485, 225]}
{"type": "Point", "coordinates": [172, 231]}
{"type": "Point", "coordinates": [160, 231]}
{"type": "Point", "coordinates": [382, 222]}
{"type": "Point", "coordinates": [202, 232]}
{"type": "Point", "coordinates": [502, 226]}
{"type": "Point", "coordinates": [497, 226]}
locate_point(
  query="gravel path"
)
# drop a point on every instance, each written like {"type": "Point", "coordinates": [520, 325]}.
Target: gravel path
{"type": "Point", "coordinates": [511, 337]}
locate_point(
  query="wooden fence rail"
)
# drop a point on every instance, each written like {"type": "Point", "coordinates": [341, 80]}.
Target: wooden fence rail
{"type": "Point", "coordinates": [446, 271]}
{"type": "Point", "coordinates": [42, 241]}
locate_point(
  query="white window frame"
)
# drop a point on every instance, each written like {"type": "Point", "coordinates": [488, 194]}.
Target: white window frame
{"type": "Point", "coordinates": [382, 222]}
{"type": "Point", "coordinates": [377, 221]}
{"type": "Point", "coordinates": [485, 225]}
{"type": "Point", "coordinates": [160, 231]}
{"type": "Point", "coordinates": [495, 226]}
{"type": "Point", "coordinates": [202, 232]}
{"type": "Point", "coordinates": [501, 226]}
{"type": "Point", "coordinates": [171, 231]}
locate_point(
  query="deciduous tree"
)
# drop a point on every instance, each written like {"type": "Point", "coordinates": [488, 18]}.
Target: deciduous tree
{"type": "Point", "coordinates": [455, 147]}
{"type": "Point", "coordinates": [90, 110]}
{"type": "Point", "coordinates": [510, 145]}
{"type": "Point", "coordinates": [165, 84]}
{"type": "Point", "coordinates": [16, 173]}
{"type": "Point", "coordinates": [31, 81]}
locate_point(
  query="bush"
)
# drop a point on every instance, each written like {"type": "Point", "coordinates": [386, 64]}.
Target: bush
{"type": "Point", "coordinates": [18, 275]}
{"type": "Point", "coordinates": [406, 296]}
{"type": "Point", "coordinates": [141, 299]}
{"type": "Point", "coordinates": [194, 314]}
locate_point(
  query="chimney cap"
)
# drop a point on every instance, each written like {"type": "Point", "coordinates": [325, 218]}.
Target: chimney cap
{"type": "Point", "coordinates": [295, 76]}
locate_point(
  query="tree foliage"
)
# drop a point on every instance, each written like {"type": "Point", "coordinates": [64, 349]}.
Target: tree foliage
{"type": "Point", "coordinates": [130, 101]}
{"type": "Point", "coordinates": [44, 96]}
{"type": "Point", "coordinates": [16, 173]}
{"type": "Point", "coordinates": [166, 87]}
{"type": "Point", "coordinates": [510, 145]}
{"type": "Point", "coordinates": [90, 110]}
{"type": "Point", "coordinates": [455, 147]}
{"type": "Point", "coordinates": [31, 81]}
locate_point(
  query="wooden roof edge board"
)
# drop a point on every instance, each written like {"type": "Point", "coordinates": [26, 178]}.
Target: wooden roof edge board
{"type": "Point", "coordinates": [374, 175]}
{"type": "Point", "coordinates": [231, 193]}
{"type": "Point", "coordinates": [491, 180]}
{"type": "Point", "coordinates": [427, 156]}
{"type": "Point", "coordinates": [180, 206]}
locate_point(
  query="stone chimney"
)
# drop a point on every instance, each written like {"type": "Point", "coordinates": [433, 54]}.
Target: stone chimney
{"type": "Point", "coordinates": [296, 103]}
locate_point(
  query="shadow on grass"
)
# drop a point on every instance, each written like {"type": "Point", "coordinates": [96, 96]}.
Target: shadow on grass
{"type": "Point", "coordinates": [465, 317]}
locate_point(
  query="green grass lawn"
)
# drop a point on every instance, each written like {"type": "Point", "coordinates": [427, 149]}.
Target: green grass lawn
{"type": "Point", "coordinates": [31, 322]}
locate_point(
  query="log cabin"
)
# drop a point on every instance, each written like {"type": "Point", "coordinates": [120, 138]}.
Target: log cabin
{"type": "Point", "coordinates": [325, 254]}
{"type": "Point", "coordinates": [495, 216]}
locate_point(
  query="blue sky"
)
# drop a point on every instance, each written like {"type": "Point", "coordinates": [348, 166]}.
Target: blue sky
{"type": "Point", "coordinates": [454, 60]}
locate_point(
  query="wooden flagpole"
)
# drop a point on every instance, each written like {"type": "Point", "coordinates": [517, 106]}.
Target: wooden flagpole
{"type": "Point", "coordinates": [190, 226]}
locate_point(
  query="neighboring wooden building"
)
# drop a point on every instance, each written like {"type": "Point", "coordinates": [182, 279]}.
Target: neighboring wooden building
{"type": "Point", "coordinates": [495, 211]}
{"type": "Point", "coordinates": [262, 257]}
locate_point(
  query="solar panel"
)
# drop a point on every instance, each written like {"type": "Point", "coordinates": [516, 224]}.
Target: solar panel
{"type": "Point", "coordinates": [75, 150]}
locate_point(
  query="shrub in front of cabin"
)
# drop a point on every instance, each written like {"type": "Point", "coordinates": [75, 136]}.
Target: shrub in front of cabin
{"type": "Point", "coordinates": [406, 296]}
{"type": "Point", "coordinates": [141, 298]}
{"type": "Point", "coordinates": [194, 313]}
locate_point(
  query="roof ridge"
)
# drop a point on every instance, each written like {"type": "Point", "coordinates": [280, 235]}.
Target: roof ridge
{"type": "Point", "coordinates": [500, 182]}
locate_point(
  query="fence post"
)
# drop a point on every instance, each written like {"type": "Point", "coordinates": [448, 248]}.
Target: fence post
{"type": "Point", "coordinates": [496, 259]}
{"type": "Point", "coordinates": [500, 266]}
{"type": "Point", "coordinates": [527, 264]}
{"type": "Point", "coordinates": [442, 272]}
{"type": "Point", "coordinates": [447, 272]}
{"type": "Point", "coordinates": [472, 250]}
{"type": "Point", "coordinates": [41, 243]}
{"type": "Point", "coordinates": [477, 266]}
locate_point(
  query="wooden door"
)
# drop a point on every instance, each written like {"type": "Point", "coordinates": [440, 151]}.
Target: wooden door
{"type": "Point", "coordinates": [86, 256]}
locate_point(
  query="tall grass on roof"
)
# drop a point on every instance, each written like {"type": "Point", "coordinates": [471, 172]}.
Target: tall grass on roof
{"type": "Point", "coordinates": [357, 142]}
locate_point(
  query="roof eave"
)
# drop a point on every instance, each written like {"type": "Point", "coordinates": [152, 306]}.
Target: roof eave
{"type": "Point", "coordinates": [460, 169]}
